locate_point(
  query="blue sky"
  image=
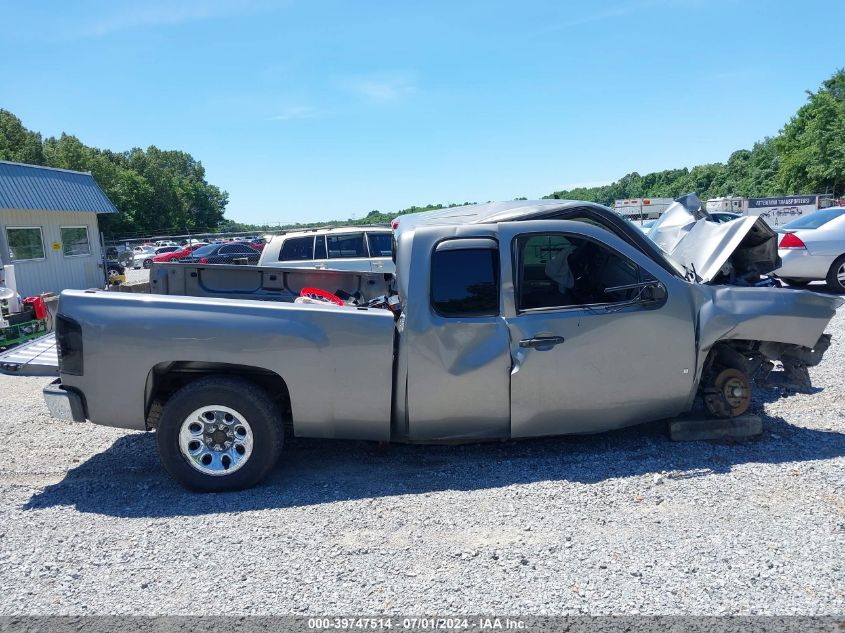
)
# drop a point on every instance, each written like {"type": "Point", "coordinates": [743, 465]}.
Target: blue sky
{"type": "Point", "coordinates": [313, 110]}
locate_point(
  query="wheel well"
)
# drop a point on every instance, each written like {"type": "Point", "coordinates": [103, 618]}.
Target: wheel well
{"type": "Point", "coordinates": [167, 378]}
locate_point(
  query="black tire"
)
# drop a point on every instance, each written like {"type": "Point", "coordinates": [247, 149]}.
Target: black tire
{"type": "Point", "coordinates": [833, 282]}
{"type": "Point", "coordinates": [148, 263]}
{"type": "Point", "coordinates": [252, 402]}
{"type": "Point", "coordinates": [797, 283]}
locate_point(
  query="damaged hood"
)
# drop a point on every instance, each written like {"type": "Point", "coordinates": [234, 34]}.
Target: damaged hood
{"type": "Point", "coordinates": [745, 248]}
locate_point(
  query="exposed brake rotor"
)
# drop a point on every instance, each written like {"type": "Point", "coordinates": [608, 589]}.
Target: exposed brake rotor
{"type": "Point", "coordinates": [730, 396]}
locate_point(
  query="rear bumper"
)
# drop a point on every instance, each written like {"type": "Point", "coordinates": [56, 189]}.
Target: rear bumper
{"type": "Point", "coordinates": [64, 404]}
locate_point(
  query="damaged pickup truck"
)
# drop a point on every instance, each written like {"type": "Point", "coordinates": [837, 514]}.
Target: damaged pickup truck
{"type": "Point", "coordinates": [518, 319]}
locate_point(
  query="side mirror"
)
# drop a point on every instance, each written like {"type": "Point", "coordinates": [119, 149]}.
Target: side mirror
{"type": "Point", "coordinates": [646, 293]}
{"type": "Point", "coordinates": [654, 293]}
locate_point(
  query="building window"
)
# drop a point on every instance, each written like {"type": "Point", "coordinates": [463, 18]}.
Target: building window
{"type": "Point", "coordinates": [75, 241]}
{"type": "Point", "coordinates": [25, 243]}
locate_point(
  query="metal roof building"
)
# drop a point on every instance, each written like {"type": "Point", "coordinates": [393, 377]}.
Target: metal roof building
{"type": "Point", "coordinates": [49, 235]}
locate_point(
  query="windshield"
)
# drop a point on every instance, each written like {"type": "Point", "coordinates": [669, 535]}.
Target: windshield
{"type": "Point", "coordinates": [815, 220]}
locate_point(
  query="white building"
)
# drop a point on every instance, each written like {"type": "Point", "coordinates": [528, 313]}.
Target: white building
{"type": "Point", "coordinates": [642, 208]}
{"type": "Point", "coordinates": [49, 235]}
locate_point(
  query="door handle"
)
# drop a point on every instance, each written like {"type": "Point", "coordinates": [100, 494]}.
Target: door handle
{"type": "Point", "coordinates": [320, 266]}
{"type": "Point", "coordinates": [542, 342]}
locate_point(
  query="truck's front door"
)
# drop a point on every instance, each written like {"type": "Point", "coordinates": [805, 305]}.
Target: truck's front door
{"type": "Point", "coordinates": [594, 346]}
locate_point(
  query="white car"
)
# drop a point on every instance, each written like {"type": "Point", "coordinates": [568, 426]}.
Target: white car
{"type": "Point", "coordinates": [361, 249]}
{"type": "Point", "coordinates": [144, 258]}
{"type": "Point", "coordinates": [812, 248]}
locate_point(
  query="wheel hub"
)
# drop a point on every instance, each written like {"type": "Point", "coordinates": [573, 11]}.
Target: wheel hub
{"type": "Point", "coordinates": [730, 395]}
{"type": "Point", "coordinates": [216, 440]}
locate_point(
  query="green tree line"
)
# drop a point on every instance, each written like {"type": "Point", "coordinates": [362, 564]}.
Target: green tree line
{"type": "Point", "coordinates": [154, 190]}
{"type": "Point", "coordinates": [807, 156]}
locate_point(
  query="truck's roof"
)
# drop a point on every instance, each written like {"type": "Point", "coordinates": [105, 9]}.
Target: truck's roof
{"type": "Point", "coordinates": [490, 212]}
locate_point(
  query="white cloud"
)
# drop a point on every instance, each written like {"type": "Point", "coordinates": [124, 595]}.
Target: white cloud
{"type": "Point", "coordinates": [381, 87]}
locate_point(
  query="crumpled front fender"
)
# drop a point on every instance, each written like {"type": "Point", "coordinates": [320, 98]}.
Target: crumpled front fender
{"type": "Point", "coordinates": [779, 315]}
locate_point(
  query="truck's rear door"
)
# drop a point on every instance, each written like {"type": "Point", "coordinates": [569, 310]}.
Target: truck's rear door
{"type": "Point", "coordinates": [455, 342]}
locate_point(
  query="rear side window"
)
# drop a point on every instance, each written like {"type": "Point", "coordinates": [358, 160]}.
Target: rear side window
{"type": "Point", "coordinates": [381, 244]}
{"type": "Point", "coordinates": [320, 247]}
{"type": "Point", "coordinates": [465, 283]}
{"type": "Point", "coordinates": [297, 249]}
{"type": "Point", "coordinates": [348, 245]}
{"type": "Point", "coordinates": [203, 251]}
{"type": "Point", "coordinates": [814, 220]}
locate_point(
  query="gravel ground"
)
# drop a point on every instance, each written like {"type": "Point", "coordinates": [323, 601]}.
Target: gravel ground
{"type": "Point", "coordinates": [625, 522]}
{"type": "Point", "coordinates": [133, 276]}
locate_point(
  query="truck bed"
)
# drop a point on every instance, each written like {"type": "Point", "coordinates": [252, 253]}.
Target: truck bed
{"type": "Point", "coordinates": [335, 362]}
{"type": "Point", "coordinates": [232, 281]}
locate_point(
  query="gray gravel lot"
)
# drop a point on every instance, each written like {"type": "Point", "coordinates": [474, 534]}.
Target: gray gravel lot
{"type": "Point", "coordinates": [625, 522]}
{"type": "Point", "coordinates": [134, 276]}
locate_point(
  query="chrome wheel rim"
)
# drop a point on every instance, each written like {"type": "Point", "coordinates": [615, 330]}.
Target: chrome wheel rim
{"type": "Point", "coordinates": [216, 440]}
{"type": "Point", "coordinates": [840, 275]}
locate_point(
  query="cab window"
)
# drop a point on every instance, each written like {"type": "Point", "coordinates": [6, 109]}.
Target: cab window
{"type": "Point", "coordinates": [465, 283]}
{"type": "Point", "coordinates": [558, 270]}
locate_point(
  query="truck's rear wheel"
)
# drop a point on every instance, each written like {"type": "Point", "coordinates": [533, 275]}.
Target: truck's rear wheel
{"type": "Point", "coordinates": [219, 434]}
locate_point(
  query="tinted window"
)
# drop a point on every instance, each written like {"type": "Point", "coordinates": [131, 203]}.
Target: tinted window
{"type": "Point", "coordinates": [346, 245]}
{"type": "Point", "coordinates": [241, 248]}
{"type": "Point", "coordinates": [558, 270]}
{"type": "Point", "coordinates": [381, 244]}
{"type": "Point", "coordinates": [465, 282]}
{"type": "Point", "coordinates": [320, 247]}
{"type": "Point", "coordinates": [205, 251]}
{"type": "Point", "coordinates": [297, 249]}
{"type": "Point", "coordinates": [814, 220]}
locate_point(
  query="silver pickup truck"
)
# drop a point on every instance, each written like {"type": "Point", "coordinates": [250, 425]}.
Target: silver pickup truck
{"type": "Point", "coordinates": [516, 320]}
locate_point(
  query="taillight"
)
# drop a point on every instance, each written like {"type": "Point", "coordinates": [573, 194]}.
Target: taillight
{"type": "Point", "coordinates": [69, 345]}
{"type": "Point", "coordinates": [790, 240]}
{"type": "Point", "coordinates": [203, 260]}
{"type": "Point", "coordinates": [395, 224]}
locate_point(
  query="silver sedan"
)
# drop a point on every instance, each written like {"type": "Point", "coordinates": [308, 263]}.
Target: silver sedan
{"type": "Point", "coordinates": [812, 248]}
